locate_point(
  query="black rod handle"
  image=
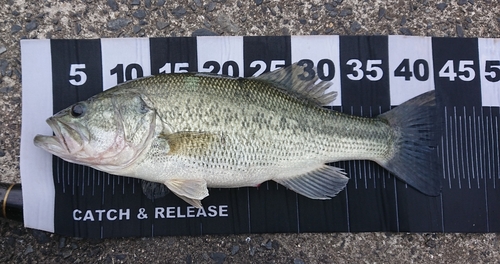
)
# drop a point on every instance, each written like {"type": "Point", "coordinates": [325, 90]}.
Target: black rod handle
{"type": "Point", "coordinates": [11, 201]}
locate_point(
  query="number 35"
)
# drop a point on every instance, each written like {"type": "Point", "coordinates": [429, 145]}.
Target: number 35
{"type": "Point", "coordinates": [373, 72]}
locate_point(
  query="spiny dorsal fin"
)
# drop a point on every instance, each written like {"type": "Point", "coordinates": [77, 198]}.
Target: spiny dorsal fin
{"type": "Point", "coordinates": [297, 80]}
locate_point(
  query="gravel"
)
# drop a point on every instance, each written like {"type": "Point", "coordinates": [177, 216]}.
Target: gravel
{"type": "Point", "coordinates": [403, 21]}
{"type": "Point", "coordinates": [3, 66]}
{"type": "Point", "coordinates": [441, 6]}
{"type": "Point", "coordinates": [234, 250]}
{"type": "Point", "coordinates": [90, 19]}
{"type": "Point", "coordinates": [330, 6]}
{"type": "Point", "coordinates": [355, 27]}
{"type": "Point", "coordinates": [78, 28]}
{"type": "Point", "coordinates": [160, 2]}
{"type": "Point", "coordinates": [5, 90]}
{"type": "Point", "coordinates": [179, 12]}
{"type": "Point", "coordinates": [460, 31]}
{"type": "Point", "coordinates": [136, 29]}
{"type": "Point", "coordinates": [112, 4]}
{"type": "Point", "coordinates": [140, 14]}
{"type": "Point", "coordinates": [405, 31]}
{"type": "Point", "coordinates": [345, 12]}
{"type": "Point", "coordinates": [218, 257]}
{"type": "Point", "coordinates": [15, 28]}
{"type": "Point", "coordinates": [381, 13]}
{"type": "Point", "coordinates": [31, 26]}
{"type": "Point", "coordinates": [203, 32]}
{"type": "Point", "coordinates": [119, 23]}
{"type": "Point", "coordinates": [161, 25]}
{"type": "Point", "coordinates": [226, 24]}
{"type": "Point", "coordinates": [210, 7]}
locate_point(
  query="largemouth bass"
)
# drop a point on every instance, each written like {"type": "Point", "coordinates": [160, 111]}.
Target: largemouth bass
{"type": "Point", "coordinates": [191, 131]}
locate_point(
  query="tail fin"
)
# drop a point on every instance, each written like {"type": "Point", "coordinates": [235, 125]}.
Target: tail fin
{"type": "Point", "coordinates": [415, 155]}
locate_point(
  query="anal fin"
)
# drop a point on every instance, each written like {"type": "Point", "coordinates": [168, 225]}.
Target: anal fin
{"type": "Point", "coordinates": [322, 183]}
{"type": "Point", "coordinates": [193, 202]}
{"type": "Point", "coordinates": [192, 191]}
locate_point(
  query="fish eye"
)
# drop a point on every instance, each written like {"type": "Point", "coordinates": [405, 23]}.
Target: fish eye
{"type": "Point", "coordinates": [78, 110]}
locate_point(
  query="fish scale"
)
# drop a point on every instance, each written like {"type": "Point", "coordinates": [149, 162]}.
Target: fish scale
{"type": "Point", "coordinates": [310, 122]}
{"type": "Point", "coordinates": [192, 131]}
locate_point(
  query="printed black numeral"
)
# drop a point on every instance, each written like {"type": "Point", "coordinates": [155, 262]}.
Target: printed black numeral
{"type": "Point", "coordinates": [235, 70]}
{"type": "Point", "coordinates": [325, 70]}
{"type": "Point", "coordinates": [420, 69]}
{"type": "Point", "coordinates": [261, 66]}
{"type": "Point", "coordinates": [492, 71]}
{"type": "Point", "coordinates": [308, 67]}
{"type": "Point", "coordinates": [212, 66]}
{"type": "Point", "coordinates": [176, 67]}
{"type": "Point", "coordinates": [229, 68]}
{"type": "Point", "coordinates": [129, 72]}
{"type": "Point", "coordinates": [328, 66]}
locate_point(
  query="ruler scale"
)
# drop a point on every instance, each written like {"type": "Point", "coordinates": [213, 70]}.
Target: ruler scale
{"type": "Point", "coordinates": [371, 74]}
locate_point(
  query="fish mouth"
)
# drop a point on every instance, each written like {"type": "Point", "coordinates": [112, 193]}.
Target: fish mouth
{"type": "Point", "coordinates": [49, 143]}
{"type": "Point", "coordinates": [63, 143]}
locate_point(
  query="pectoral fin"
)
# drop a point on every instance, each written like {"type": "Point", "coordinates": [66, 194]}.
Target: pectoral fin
{"type": "Point", "coordinates": [192, 191]}
{"type": "Point", "coordinates": [188, 142]}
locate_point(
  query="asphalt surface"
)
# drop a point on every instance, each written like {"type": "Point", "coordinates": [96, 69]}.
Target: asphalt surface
{"type": "Point", "coordinates": [82, 19]}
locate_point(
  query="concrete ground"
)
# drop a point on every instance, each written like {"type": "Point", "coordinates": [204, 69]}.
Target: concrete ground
{"type": "Point", "coordinates": [81, 19]}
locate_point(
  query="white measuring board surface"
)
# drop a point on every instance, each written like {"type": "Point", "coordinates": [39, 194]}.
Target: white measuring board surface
{"type": "Point", "coordinates": [371, 74]}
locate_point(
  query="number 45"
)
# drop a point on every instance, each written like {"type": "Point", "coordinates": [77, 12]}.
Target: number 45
{"type": "Point", "coordinates": [465, 71]}
{"type": "Point", "coordinates": [79, 77]}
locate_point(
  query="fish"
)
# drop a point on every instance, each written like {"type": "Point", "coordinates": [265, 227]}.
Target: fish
{"type": "Point", "coordinates": [194, 131]}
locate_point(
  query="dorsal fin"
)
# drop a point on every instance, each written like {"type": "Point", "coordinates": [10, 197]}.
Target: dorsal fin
{"type": "Point", "coordinates": [297, 80]}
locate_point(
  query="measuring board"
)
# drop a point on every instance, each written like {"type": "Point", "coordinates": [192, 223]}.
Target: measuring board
{"type": "Point", "coordinates": [371, 74]}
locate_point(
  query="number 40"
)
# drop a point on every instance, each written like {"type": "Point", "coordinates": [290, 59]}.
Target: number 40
{"type": "Point", "coordinates": [420, 70]}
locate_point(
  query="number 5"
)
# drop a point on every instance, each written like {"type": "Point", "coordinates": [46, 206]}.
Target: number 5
{"type": "Point", "coordinates": [76, 71]}
{"type": "Point", "coordinates": [492, 71]}
{"type": "Point", "coordinates": [463, 66]}
{"type": "Point", "coordinates": [371, 68]}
